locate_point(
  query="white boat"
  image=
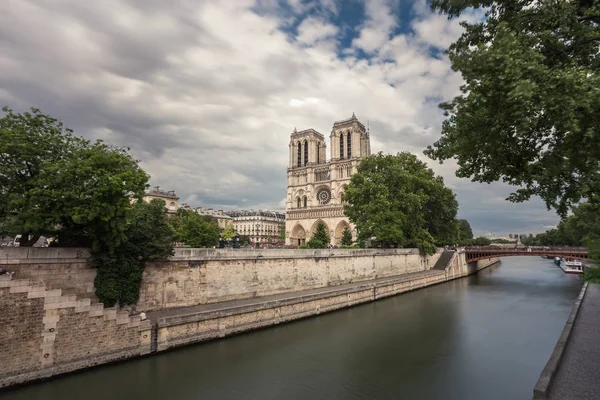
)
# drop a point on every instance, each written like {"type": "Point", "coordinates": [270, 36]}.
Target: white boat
{"type": "Point", "coordinates": [571, 266]}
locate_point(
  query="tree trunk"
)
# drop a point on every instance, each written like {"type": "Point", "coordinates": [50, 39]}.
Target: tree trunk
{"type": "Point", "coordinates": [25, 242]}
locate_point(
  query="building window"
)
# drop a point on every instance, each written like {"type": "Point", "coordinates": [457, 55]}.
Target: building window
{"type": "Point", "coordinates": [305, 201]}
{"type": "Point", "coordinates": [305, 152]}
{"type": "Point", "coordinates": [349, 144]}
{"type": "Point", "coordinates": [298, 202]}
{"type": "Point", "coordinates": [299, 154]}
{"type": "Point", "coordinates": [341, 146]}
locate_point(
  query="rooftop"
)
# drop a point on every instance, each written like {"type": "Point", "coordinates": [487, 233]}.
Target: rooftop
{"type": "Point", "coordinates": [348, 121]}
{"type": "Point", "coordinates": [214, 213]}
{"type": "Point", "coordinates": [251, 213]}
{"type": "Point", "coordinates": [307, 131]}
{"type": "Point", "coordinates": [158, 192]}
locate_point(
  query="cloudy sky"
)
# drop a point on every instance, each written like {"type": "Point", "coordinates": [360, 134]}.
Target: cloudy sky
{"type": "Point", "coordinates": [206, 93]}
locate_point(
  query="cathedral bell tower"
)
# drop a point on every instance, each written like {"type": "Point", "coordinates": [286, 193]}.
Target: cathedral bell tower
{"type": "Point", "coordinates": [315, 185]}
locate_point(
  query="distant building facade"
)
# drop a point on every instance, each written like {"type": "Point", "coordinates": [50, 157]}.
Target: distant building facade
{"type": "Point", "coordinates": [222, 219]}
{"type": "Point", "coordinates": [315, 185]}
{"type": "Point", "coordinates": [170, 198]}
{"type": "Point", "coordinates": [260, 226]}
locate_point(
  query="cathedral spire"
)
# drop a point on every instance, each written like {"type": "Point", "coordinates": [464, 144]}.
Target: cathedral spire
{"type": "Point", "coordinates": [353, 116]}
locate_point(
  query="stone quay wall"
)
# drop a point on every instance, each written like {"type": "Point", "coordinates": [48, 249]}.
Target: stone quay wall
{"type": "Point", "coordinates": [184, 329]}
{"type": "Point", "coordinates": [53, 324]}
{"type": "Point", "coordinates": [201, 276]}
{"type": "Point", "coordinates": [45, 332]}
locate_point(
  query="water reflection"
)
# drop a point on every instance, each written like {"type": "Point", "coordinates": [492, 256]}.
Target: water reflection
{"type": "Point", "coordinates": [483, 337]}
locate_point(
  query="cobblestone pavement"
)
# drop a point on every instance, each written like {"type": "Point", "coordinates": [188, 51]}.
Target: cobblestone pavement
{"type": "Point", "coordinates": [578, 376]}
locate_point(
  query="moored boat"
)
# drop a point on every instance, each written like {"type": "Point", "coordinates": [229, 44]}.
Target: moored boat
{"type": "Point", "coordinates": [571, 266]}
{"type": "Point", "coordinates": [557, 260]}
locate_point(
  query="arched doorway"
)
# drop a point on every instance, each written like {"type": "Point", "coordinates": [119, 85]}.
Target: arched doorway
{"type": "Point", "coordinates": [298, 235]}
{"type": "Point", "coordinates": [313, 228]}
{"type": "Point", "coordinates": [339, 231]}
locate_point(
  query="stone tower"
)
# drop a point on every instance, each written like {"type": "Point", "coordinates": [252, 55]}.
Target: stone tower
{"type": "Point", "coordinates": [315, 185]}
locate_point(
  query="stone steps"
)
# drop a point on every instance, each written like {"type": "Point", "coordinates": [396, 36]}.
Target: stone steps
{"type": "Point", "coordinates": [55, 299]}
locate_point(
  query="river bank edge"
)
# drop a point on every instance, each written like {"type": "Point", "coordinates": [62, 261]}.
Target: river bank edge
{"type": "Point", "coordinates": [542, 387]}
{"type": "Point", "coordinates": [166, 334]}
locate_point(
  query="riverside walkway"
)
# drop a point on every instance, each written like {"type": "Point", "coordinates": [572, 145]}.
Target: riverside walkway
{"type": "Point", "coordinates": [578, 375]}
{"type": "Point", "coordinates": [229, 305]}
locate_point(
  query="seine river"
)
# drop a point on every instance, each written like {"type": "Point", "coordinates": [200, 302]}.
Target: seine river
{"type": "Point", "coordinates": [483, 337]}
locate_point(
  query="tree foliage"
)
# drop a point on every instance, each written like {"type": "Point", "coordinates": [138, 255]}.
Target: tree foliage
{"type": "Point", "coordinates": [580, 228]}
{"type": "Point", "coordinates": [346, 237]}
{"type": "Point", "coordinates": [195, 230]}
{"type": "Point", "coordinates": [465, 233]}
{"type": "Point", "coordinates": [400, 202]}
{"type": "Point", "coordinates": [147, 237]}
{"type": "Point", "coordinates": [320, 239]}
{"type": "Point", "coordinates": [481, 241]}
{"type": "Point", "coordinates": [56, 184]}
{"type": "Point", "coordinates": [529, 112]}
{"type": "Point", "coordinates": [228, 233]}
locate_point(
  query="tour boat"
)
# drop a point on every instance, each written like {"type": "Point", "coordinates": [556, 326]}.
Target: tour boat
{"type": "Point", "coordinates": [571, 266]}
{"type": "Point", "coordinates": [557, 260]}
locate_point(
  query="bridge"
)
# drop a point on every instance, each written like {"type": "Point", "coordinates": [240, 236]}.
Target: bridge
{"type": "Point", "coordinates": [478, 253]}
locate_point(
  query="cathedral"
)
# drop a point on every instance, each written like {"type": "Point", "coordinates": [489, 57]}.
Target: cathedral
{"type": "Point", "coordinates": [315, 185]}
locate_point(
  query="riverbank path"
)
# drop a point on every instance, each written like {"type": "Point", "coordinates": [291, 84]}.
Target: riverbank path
{"type": "Point", "coordinates": [220, 306]}
{"type": "Point", "coordinates": [578, 375]}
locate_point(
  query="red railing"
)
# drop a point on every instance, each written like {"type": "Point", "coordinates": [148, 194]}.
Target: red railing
{"type": "Point", "coordinates": [478, 253]}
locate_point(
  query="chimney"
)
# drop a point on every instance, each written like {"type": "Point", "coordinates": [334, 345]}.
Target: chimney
{"type": "Point", "coordinates": [156, 188]}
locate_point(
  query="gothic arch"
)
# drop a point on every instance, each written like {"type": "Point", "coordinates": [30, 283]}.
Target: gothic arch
{"type": "Point", "coordinates": [339, 230]}
{"type": "Point", "coordinates": [313, 228]}
{"type": "Point", "coordinates": [340, 191]}
{"type": "Point", "coordinates": [298, 232]}
{"type": "Point", "coordinates": [298, 236]}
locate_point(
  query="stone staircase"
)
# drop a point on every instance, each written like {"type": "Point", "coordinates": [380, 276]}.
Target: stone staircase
{"type": "Point", "coordinates": [444, 260]}
{"type": "Point", "coordinates": [55, 299]}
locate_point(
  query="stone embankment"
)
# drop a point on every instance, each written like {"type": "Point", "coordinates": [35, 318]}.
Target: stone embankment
{"type": "Point", "coordinates": [572, 371]}
{"type": "Point", "coordinates": [57, 325]}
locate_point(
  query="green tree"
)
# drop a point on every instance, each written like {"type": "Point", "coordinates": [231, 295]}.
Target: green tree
{"type": "Point", "coordinates": [148, 237]}
{"type": "Point", "coordinates": [228, 233]}
{"type": "Point", "coordinates": [465, 233]}
{"type": "Point", "coordinates": [282, 233]}
{"type": "Point", "coordinates": [56, 184]}
{"type": "Point", "coordinates": [29, 143]}
{"type": "Point", "coordinates": [346, 237]}
{"type": "Point", "coordinates": [400, 202]}
{"type": "Point", "coordinates": [481, 241]}
{"type": "Point", "coordinates": [529, 112]}
{"type": "Point", "coordinates": [320, 239]}
{"type": "Point", "coordinates": [244, 240]}
{"type": "Point", "coordinates": [195, 230]}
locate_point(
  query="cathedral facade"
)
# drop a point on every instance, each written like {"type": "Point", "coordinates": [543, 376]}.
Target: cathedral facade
{"type": "Point", "coordinates": [315, 184]}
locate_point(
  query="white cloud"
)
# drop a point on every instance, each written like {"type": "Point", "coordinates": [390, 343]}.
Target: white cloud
{"type": "Point", "coordinates": [206, 94]}
{"type": "Point", "coordinates": [313, 30]}
{"type": "Point", "coordinates": [379, 24]}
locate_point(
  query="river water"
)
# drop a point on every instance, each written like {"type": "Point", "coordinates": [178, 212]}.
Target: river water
{"type": "Point", "coordinates": [487, 336]}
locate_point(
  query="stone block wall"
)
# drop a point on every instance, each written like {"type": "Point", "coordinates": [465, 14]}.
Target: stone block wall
{"type": "Point", "coordinates": [57, 268]}
{"type": "Point", "coordinates": [200, 276]}
{"type": "Point", "coordinates": [192, 328]}
{"type": "Point", "coordinates": [45, 332]}
{"type": "Point", "coordinates": [209, 276]}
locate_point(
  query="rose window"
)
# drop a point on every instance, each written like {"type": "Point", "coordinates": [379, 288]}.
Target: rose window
{"type": "Point", "coordinates": [323, 196]}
